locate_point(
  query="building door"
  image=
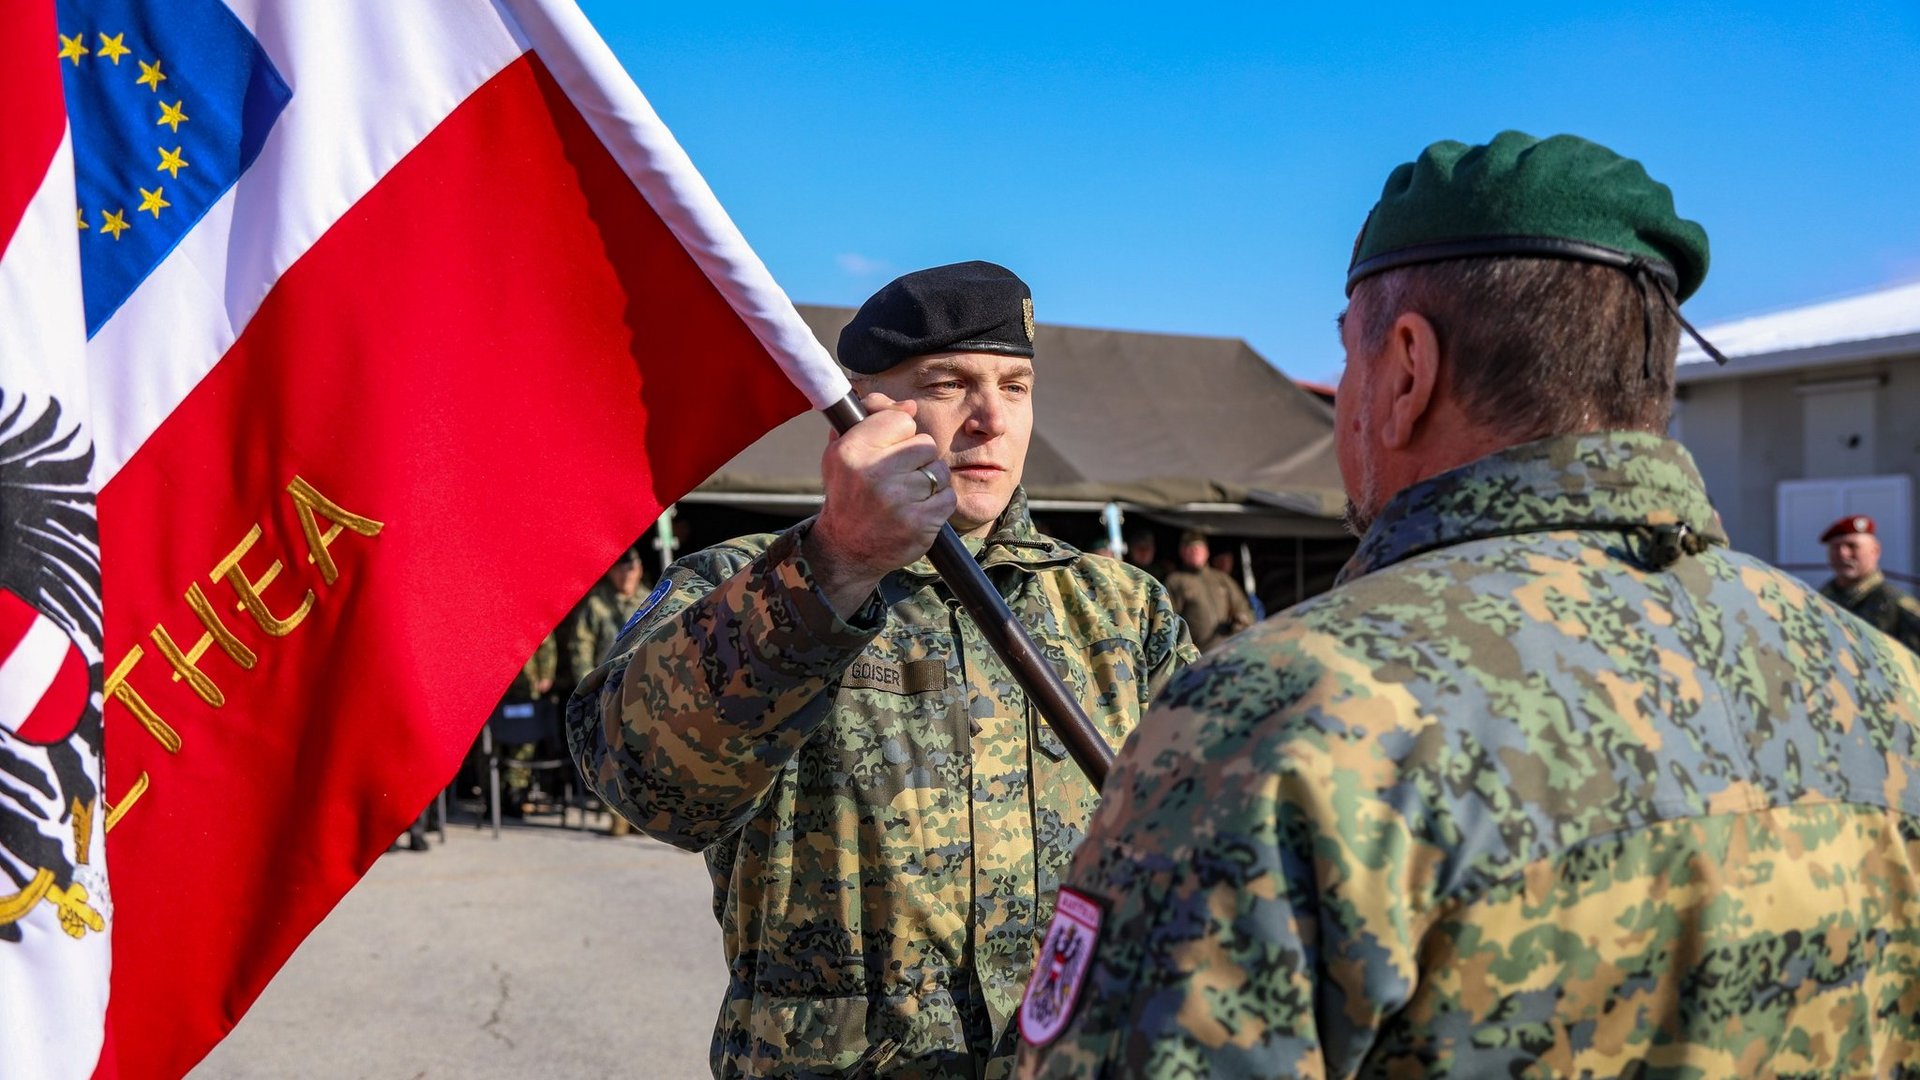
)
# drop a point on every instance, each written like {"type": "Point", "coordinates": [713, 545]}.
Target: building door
{"type": "Point", "coordinates": [1805, 507]}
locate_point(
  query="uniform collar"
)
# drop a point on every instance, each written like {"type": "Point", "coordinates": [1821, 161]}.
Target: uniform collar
{"type": "Point", "coordinates": [1859, 589]}
{"type": "Point", "coordinates": [1013, 542]}
{"type": "Point", "coordinates": [1614, 480]}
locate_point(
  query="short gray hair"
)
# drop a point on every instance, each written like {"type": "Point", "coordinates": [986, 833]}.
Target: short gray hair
{"type": "Point", "coordinates": [1537, 347]}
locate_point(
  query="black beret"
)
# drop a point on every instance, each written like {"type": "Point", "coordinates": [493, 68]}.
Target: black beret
{"type": "Point", "coordinates": [962, 307]}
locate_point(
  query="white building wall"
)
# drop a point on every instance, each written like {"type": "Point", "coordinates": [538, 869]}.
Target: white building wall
{"type": "Point", "coordinates": [1709, 423]}
{"type": "Point", "coordinates": [1841, 425]}
{"type": "Point", "coordinates": [1899, 420]}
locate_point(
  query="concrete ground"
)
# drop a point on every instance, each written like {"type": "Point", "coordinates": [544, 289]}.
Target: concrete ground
{"type": "Point", "coordinates": [547, 953]}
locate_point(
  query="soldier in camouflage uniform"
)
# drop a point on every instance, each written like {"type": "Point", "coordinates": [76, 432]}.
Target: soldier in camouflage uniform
{"type": "Point", "coordinates": [1853, 551]}
{"type": "Point", "coordinates": [884, 814]}
{"type": "Point", "coordinates": [1210, 602]}
{"type": "Point", "coordinates": [596, 623]}
{"type": "Point", "coordinates": [1552, 782]}
{"type": "Point", "coordinates": [535, 678]}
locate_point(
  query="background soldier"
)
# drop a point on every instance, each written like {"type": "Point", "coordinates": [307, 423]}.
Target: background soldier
{"type": "Point", "coordinates": [1212, 603]}
{"type": "Point", "coordinates": [884, 813]}
{"type": "Point", "coordinates": [1143, 551]}
{"type": "Point", "coordinates": [1552, 781]}
{"type": "Point", "coordinates": [533, 681]}
{"type": "Point", "coordinates": [596, 624]}
{"type": "Point", "coordinates": [1853, 551]}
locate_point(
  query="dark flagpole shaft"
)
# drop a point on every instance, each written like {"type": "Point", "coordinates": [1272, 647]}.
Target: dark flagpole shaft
{"type": "Point", "coordinates": [1005, 634]}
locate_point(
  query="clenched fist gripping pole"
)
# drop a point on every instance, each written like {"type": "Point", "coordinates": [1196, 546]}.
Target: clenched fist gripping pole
{"type": "Point", "coordinates": [1004, 633]}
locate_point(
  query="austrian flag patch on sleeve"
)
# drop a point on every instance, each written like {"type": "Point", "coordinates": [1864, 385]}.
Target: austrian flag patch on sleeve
{"type": "Point", "coordinates": [1065, 957]}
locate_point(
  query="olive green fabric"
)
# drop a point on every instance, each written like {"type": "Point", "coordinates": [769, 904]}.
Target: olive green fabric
{"type": "Point", "coordinates": [1884, 607]}
{"type": "Point", "coordinates": [1517, 195]}
{"type": "Point", "coordinates": [884, 814]}
{"type": "Point", "coordinates": [596, 624]}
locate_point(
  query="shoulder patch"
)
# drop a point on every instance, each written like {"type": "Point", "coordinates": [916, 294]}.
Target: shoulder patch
{"type": "Point", "coordinates": [1065, 957]}
{"type": "Point", "coordinates": [652, 601]}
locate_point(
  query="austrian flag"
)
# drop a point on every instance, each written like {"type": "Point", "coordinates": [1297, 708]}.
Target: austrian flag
{"type": "Point", "coordinates": [379, 328]}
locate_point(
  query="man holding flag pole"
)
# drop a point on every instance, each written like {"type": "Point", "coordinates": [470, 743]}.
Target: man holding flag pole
{"type": "Point", "coordinates": [306, 246]}
{"type": "Point", "coordinates": [884, 813]}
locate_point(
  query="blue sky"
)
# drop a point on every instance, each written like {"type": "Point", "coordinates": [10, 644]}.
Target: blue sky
{"type": "Point", "coordinates": [1198, 169]}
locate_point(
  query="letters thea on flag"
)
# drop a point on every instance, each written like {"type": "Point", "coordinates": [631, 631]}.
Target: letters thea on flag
{"type": "Point", "coordinates": [389, 307]}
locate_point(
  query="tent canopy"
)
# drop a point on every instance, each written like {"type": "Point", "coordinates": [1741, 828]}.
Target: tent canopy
{"type": "Point", "coordinates": [1191, 430]}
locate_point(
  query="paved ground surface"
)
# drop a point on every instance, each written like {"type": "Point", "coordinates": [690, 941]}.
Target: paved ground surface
{"type": "Point", "coordinates": [486, 959]}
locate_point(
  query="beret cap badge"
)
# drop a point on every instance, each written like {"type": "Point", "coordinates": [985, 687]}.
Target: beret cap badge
{"type": "Point", "coordinates": [961, 307]}
{"type": "Point", "coordinates": [1852, 525]}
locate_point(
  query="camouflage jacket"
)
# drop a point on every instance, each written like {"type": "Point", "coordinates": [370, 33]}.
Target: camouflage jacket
{"type": "Point", "coordinates": [1212, 604]}
{"type": "Point", "coordinates": [1552, 783]}
{"type": "Point", "coordinates": [1885, 607]}
{"type": "Point", "coordinates": [884, 815]}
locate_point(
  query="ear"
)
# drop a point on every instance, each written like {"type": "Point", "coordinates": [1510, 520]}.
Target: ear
{"type": "Point", "coordinates": [1411, 366]}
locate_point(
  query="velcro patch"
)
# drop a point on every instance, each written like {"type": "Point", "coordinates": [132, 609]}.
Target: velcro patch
{"type": "Point", "coordinates": [1065, 957]}
{"type": "Point", "coordinates": [913, 677]}
{"type": "Point", "coordinates": [646, 607]}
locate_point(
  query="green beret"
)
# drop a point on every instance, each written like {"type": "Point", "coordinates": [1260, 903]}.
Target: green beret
{"type": "Point", "coordinates": [1563, 198]}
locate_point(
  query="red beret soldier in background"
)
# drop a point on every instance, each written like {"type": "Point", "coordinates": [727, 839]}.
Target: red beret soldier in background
{"type": "Point", "coordinates": [1853, 551]}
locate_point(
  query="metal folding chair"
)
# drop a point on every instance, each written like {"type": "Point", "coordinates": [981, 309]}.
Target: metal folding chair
{"type": "Point", "coordinates": [514, 723]}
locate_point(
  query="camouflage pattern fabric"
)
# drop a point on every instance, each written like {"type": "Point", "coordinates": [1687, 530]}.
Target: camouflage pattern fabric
{"type": "Point", "coordinates": [1552, 783]}
{"type": "Point", "coordinates": [538, 669]}
{"type": "Point", "coordinates": [1883, 606]}
{"type": "Point", "coordinates": [1212, 604]}
{"type": "Point", "coordinates": [596, 624]}
{"type": "Point", "coordinates": [884, 814]}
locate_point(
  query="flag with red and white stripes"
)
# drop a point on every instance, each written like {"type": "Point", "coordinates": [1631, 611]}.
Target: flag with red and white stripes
{"type": "Point", "coordinates": [401, 320]}
{"type": "Point", "coordinates": [43, 676]}
{"type": "Point", "coordinates": [55, 909]}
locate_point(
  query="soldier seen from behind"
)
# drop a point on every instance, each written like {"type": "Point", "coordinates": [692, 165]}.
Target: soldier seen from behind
{"type": "Point", "coordinates": [883, 811]}
{"type": "Point", "coordinates": [1552, 781]}
{"type": "Point", "coordinates": [1853, 552]}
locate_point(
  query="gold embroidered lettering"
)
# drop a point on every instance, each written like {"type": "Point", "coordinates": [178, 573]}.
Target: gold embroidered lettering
{"type": "Point", "coordinates": [217, 631]}
{"type": "Point", "coordinates": [186, 664]}
{"type": "Point", "coordinates": [249, 591]}
{"type": "Point", "coordinates": [309, 505]}
{"type": "Point", "coordinates": [118, 689]}
{"type": "Point", "coordinates": [115, 813]}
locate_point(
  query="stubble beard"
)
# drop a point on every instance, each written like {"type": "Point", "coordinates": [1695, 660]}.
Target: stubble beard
{"type": "Point", "coordinates": [1359, 515]}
